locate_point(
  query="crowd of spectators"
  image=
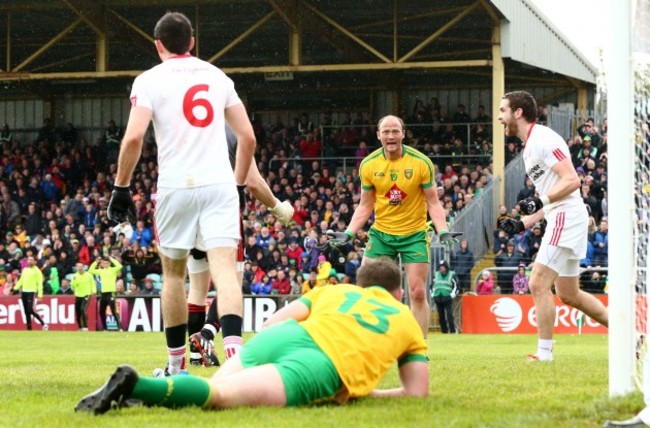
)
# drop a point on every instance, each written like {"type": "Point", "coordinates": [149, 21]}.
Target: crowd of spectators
{"type": "Point", "coordinates": [55, 192]}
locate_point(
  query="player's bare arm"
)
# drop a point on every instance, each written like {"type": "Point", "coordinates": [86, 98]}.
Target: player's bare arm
{"type": "Point", "coordinates": [568, 182]}
{"type": "Point", "coordinates": [435, 210]}
{"type": "Point", "coordinates": [237, 119]}
{"type": "Point", "coordinates": [139, 119]}
{"type": "Point", "coordinates": [261, 191]}
{"type": "Point", "coordinates": [414, 377]}
{"type": "Point", "coordinates": [296, 310]}
{"type": "Point", "coordinates": [363, 211]}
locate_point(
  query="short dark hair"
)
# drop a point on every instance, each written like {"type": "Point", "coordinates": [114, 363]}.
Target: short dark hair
{"type": "Point", "coordinates": [524, 101]}
{"type": "Point", "coordinates": [174, 31]}
{"type": "Point", "coordinates": [382, 272]}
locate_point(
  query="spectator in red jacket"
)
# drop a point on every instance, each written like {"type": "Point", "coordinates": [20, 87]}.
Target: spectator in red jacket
{"type": "Point", "coordinates": [485, 285]}
{"type": "Point", "coordinates": [281, 284]}
{"type": "Point", "coordinates": [310, 147]}
{"type": "Point", "coordinates": [294, 252]}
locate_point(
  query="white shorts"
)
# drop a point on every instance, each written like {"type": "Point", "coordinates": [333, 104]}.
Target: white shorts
{"type": "Point", "coordinates": [558, 259]}
{"type": "Point", "coordinates": [201, 217]}
{"type": "Point", "coordinates": [567, 228]}
{"type": "Point", "coordinates": [565, 240]}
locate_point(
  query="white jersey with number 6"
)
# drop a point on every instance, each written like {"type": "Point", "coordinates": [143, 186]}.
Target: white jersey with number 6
{"type": "Point", "coordinates": [188, 97]}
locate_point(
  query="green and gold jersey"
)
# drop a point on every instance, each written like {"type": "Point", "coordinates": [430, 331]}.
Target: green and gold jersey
{"type": "Point", "coordinates": [363, 331]}
{"type": "Point", "coordinates": [400, 203]}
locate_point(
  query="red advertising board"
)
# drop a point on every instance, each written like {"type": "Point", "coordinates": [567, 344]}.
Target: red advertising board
{"type": "Point", "coordinates": [56, 311]}
{"type": "Point", "coordinates": [513, 314]}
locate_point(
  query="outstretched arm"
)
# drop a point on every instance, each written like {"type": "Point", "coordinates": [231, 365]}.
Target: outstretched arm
{"type": "Point", "coordinates": [363, 211]}
{"type": "Point", "coordinates": [415, 382]}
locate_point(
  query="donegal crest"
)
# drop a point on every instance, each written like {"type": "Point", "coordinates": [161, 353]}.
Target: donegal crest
{"type": "Point", "coordinates": [408, 173]}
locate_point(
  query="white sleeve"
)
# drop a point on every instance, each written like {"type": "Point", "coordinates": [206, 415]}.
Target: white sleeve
{"type": "Point", "coordinates": [554, 151]}
{"type": "Point", "coordinates": [140, 94]}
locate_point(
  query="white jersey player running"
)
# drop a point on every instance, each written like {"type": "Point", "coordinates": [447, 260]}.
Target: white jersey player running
{"type": "Point", "coordinates": [548, 165]}
{"type": "Point", "coordinates": [189, 102]}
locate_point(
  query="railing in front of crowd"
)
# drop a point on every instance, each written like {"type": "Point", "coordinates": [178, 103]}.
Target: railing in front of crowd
{"type": "Point", "coordinates": [348, 163]}
{"type": "Point", "coordinates": [478, 219]}
{"type": "Point", "coordinates": [565, 121]}
{"type": "Point", "coordinates": [515, 180]}
{"type": "Point", "coordinates": [468, 128]}
{"type": "Point", "coordinates": [496, 270]}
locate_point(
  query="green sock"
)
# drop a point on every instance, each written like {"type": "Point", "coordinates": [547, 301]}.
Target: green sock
{"type": "Point", "coordinates": [173, 391]}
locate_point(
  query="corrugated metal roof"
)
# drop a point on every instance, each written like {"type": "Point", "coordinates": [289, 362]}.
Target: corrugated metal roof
{"type": "Point", "coordinates": [529, 37]}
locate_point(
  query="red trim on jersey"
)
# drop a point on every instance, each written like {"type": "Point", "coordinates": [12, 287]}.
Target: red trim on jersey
{"type": "Point", "coordinates": [530, 130]}
{"type": "Point", "coordinates": [557, 230]}
{"type": "Point", "coordinates": [185, 55]}
{"type": "Point", "coordinates": [558, 155]}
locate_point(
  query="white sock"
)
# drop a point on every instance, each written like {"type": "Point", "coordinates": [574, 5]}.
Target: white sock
{"type": "Point", "coordinates": [545, 348]}
{"type": "Point", "coordinates": [176, 359]}
{"type": "Point", "coordinates": [232, 345]}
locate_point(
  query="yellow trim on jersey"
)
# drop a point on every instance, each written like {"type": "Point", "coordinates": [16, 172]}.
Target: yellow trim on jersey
{"type": "Point", "coordinates": [400, 203]}
{"type": "Point", "coordinates": [363, 331]}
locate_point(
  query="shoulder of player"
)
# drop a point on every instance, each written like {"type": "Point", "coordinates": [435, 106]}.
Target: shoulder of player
{"type": "Point", "coordinates": [416, 154]}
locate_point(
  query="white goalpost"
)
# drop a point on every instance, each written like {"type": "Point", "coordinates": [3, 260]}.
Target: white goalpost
{"type": "Point", "coordinates": [620, 193]}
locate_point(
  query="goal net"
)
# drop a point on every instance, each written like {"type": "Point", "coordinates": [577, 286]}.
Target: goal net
{"type": "Point", "coordinates": [628, 107]}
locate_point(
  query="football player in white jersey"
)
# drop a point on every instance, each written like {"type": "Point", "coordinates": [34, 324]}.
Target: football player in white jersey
{"type": "Point", "coordinates": [548, 165]}
{"type": "Point", "coordinates": [189, 102]}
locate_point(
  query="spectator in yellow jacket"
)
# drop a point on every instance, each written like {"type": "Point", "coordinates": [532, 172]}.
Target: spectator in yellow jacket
{"type": "Point", "coordinates": [31, 283]}
{"type": "Point", "coordinates": [83, 285]}
{"type": "Point", "coordinates": [107, 269]}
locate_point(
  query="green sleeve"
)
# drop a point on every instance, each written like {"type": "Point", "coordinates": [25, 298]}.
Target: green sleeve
{"type": "Point", "coordinates": [116, 264]}
{"type": "Point", "coordinates": [409, 358]}
{"type": "Point", "coordinates": [93, 268]}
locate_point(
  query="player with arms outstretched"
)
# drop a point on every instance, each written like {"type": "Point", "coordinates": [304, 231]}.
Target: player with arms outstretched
{"type": "Point", "coordinates": [333, 343]}
{"type": "Point", "coordinates": [548, 165]}
{"type": "Point", "coordinates": [398, 184]}
{"type": "Point", "coordinates": [189, 101]}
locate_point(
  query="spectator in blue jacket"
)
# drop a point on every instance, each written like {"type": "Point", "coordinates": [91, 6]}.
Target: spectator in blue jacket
{"type": "Point", "coordinates": [262, 287]}
{"type": "Point", "coordinates": [142, 234]}
{"type": "Point", "coordinates": [600, 244]}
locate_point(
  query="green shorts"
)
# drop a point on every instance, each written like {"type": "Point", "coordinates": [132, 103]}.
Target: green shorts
{"type": "Point", "coordinates": [307, 373]}
{"type": "Point", "coordinates": [413, 248]}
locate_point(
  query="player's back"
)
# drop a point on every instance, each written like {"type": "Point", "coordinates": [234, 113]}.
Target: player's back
{"type": "Point", "coordinates": [188, 97]}
{"type": "Point", "coordinates": [363, 330]}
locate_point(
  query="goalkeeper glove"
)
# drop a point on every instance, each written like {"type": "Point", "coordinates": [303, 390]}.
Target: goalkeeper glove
{"type": "Point", "coordinates": [283, 211]}
{"type": "Point", "coordinates": [121, 207]}
{"type": "Point", "coordinates": [532, 205]}
{"type": "Point", "coordinates": [511, 226]}
{"type": "Point", "coordinates": [449, 238]}
{"type": "Point", "coordinates": [338, 239]}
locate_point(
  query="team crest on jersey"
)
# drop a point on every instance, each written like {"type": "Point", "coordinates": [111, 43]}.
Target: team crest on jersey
{"type": "Point", "coordinates": [408, 173]}
{"type": "Point", "coordinates": [393, 174]}
{"type": "Point", "coordinates": [395, 195]}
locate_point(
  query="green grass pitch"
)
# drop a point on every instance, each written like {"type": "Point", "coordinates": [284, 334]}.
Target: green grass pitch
{"type": "Point", "coordinates": [476, 381]}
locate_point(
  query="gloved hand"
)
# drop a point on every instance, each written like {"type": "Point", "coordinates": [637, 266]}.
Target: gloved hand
{"type": "Point", "coordinates": [337, 239]}
{"type": "Point", "coordinates": [121, 207]}
{"type": "Point", "coordinates": [283, 211]}
{"type": "Point", "coordinates": [449, 238]}
{"type": "Point", "coordinates": [242, 196]}
{"type": "Point", "coordinates": [530, 205]}
{"type": "Point", "coordinates": [511, 226]}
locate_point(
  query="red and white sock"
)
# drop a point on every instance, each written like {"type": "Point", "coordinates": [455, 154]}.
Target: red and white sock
{"type": "Point", "coordinates": [232, 345]}
{"type": "Point", "coordinates": [176, 360]}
